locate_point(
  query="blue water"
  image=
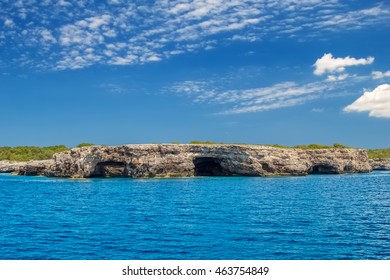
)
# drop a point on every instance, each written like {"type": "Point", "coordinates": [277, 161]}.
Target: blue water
{"type": "Point", "coordinates": [314, 217]}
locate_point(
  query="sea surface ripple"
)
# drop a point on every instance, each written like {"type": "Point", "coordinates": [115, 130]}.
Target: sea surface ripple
{"type": "Point", "coordinates": [313, 217]}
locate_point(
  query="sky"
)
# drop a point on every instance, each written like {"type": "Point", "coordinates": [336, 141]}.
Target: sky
{"type": "Point", "coordinates": [236, 71]}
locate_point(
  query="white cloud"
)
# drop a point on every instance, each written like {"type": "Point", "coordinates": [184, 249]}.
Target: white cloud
{"type": "Point", "coordinates": [377, 75]}
{"type": "Point", "coordinates": [64, 3]}
{"type": "Point", "coordinates": [334, 78]}
{"type": "Point", "coordinates": [181, 7]}
{"type": "Point", "coordinates": [114, 2]}
{"type": "Point", "coordinates": [318, 110]}
{"type": "Point", "coordinates": [86, 32]}
{"type": "Point", "coordinates": [47, 36]}
{"type": "Point", "coordinates": [96, 22]}
{"type": "Point", "coordinates": [248, 37]}
{"type": "Point", "coordinates": [329, 64]}
{"type": "Point", "coordinates": [9, 22]}
{"type": "Point", "coordinates": [129, 59]}
{"type": "Point", "coordinates": [376, 102]}
{"type": "Point", "coordinates": [153, 58]}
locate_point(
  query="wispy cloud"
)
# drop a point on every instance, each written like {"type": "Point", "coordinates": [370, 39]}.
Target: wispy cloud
{"type": "Point", "coordinates": [376, 102]}
{"type": "Point", "coordinates": [334, 78]}
{"type": "Point", "coordinates": [220, 90]}
{"type": "Point", "coordinates": [377, 75]}
{"type": "Point", "coordinates": [318, 110]}
{"type": "Point", "coordinates": [281, 95]}
{"type": "Point", "coordinates": [355, 19]}
{"type": "Point", "coordinates": [113, 88]}
{"type": "Point", "coordinates": [72, 34]}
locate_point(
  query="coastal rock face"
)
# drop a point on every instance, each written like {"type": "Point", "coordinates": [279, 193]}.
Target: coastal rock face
{"type": "Point", "coordinates": [32, 168]}
{"type": "Point", "coordinates": [171, 160]}
{"type": "Point", "coordinates": [9, 166]}
{"type": "Point", "coordinates": [382, 164]}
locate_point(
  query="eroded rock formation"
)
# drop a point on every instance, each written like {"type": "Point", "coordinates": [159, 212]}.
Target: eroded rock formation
{"type": "Point", "coordinates": [382, 164]}
{"type": "Point", "coordinates": [171, 160]}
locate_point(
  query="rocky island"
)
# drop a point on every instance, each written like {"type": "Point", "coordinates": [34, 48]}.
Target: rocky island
{"type": "Point", "coordinates": [186, 160]}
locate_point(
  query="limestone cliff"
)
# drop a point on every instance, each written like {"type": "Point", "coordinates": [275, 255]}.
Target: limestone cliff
{"type": "Point", "coordinates": [33, 168]}
{"type": "Point", "coordinates": [382, 164]}
{"type": "Point", "coordinates": [171, 160]}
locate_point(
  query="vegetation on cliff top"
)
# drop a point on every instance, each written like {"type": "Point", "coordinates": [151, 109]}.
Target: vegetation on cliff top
{"type": "Point", "coordinates": [379, 154]}
{"type": "Point", "coordinates": [26, 153]}
{"type": "Point", "coordinates": [84, 144]}
{"type": "Point", "coordinates": [303, 147]}
{"type": "Point", "coordinates": [311, 146]}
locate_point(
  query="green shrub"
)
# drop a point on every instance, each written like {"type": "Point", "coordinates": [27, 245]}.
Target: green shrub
{"type": "Point", "coordinates": [26, 153]}
{"type": "Point", "coordinates": [340, 146]}
{"type": "Point", "coordinates": [197, 142]}
{"type": "Point", "coordinates": [84, 145]}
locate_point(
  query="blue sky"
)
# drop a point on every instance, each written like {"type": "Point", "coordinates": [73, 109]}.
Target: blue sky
{"type": "Point", "coordinates": [267, 71]}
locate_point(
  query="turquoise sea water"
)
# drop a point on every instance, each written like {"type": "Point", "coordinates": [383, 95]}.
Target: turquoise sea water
{"type": "Point", "coordinates": [314, 217]}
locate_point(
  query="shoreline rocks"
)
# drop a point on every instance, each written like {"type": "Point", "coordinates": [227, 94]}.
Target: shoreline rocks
{"type": "Point", "coordinates": [28, 168]}
{"type": "Point", "coordinates": [382, 164]}
{"type": "Point", "coordinates": [185, 160]}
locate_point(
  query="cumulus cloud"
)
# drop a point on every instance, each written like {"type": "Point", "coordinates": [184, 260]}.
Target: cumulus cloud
{"type": "Point", "coordinates": [377, 75]}
{"type": "Point", "coordinates": [329, 64]}
{"type": "Point", "coordinates": [376, 102]}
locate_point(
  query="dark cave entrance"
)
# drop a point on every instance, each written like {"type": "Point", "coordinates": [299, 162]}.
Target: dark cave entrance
{"type": "Point", "coordinates": [323, 169]}
{"type": "Point", "coordinates": [208, 166]}
{"type": "Point", "coordinates": [109, 169]}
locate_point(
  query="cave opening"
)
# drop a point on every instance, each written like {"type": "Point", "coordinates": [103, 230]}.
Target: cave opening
{"type": "Point", "coordinates": [109, 169]}
{"type": "Point", "coordinates": [323, 169]}
{"type": "Point", "coordinates": [208, 166]}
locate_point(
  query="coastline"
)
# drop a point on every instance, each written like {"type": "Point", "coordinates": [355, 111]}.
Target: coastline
{"type": "Point", "coordinates": [187, 160]}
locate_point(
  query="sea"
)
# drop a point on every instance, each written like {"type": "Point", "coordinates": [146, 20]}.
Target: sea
{"type": "Point", "coordinates": [317, 217]}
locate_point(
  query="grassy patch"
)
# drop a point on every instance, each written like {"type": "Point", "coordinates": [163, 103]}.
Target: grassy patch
{"type": "Point", "coordinates": [378, 154]}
